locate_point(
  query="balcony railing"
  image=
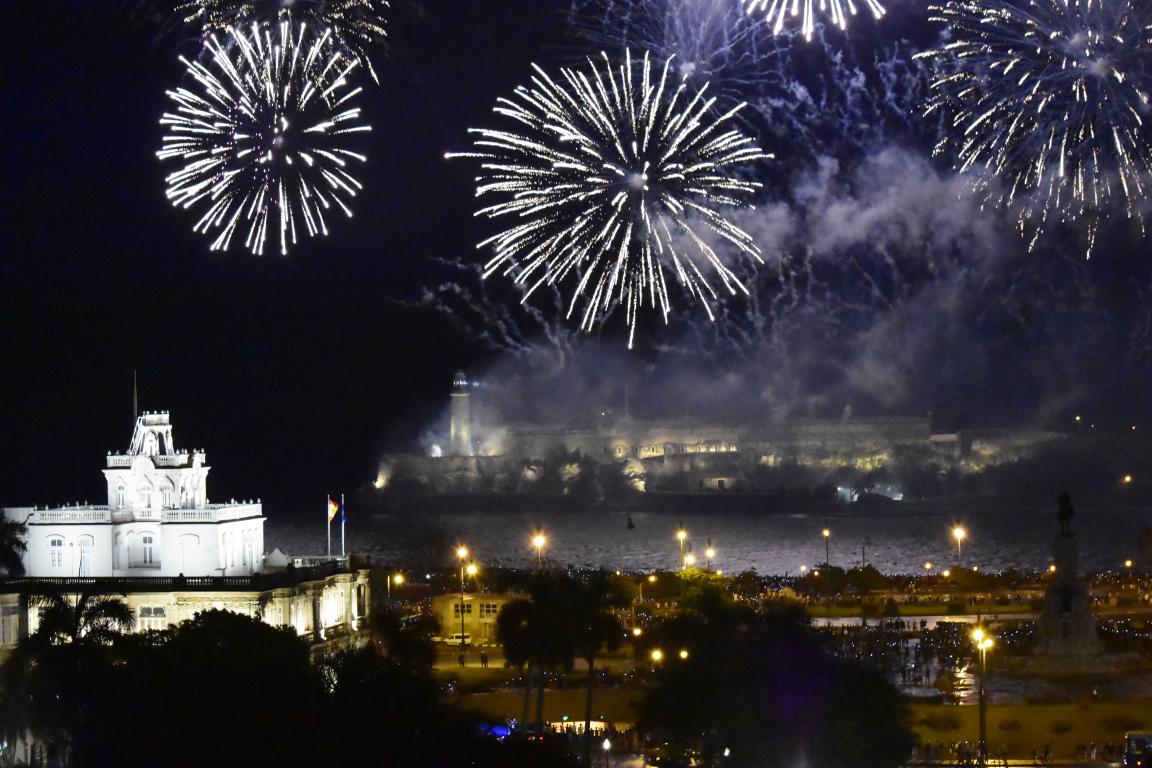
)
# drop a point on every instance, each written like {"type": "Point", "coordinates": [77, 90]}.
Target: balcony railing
{"type": "Point", "coordinates": [76, 515]}
{"type": "Point", "coordinates": [257, 582]}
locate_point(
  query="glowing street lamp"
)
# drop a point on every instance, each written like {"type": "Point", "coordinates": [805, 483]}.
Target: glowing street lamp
{"type": "Point", "coordinates": [689, 560]}
{"type": "Point", "coordinates": [606, 745]}
{"type": "Point", "coordinates": [397, 579]}
{"type": "Point", "coordinates": [827, 545]}
{"type": "Point", "coordinates": [657, 655]}
{"type": "Point", "coordinates": [683, 654]}
{"type": "Point", "coordinates": [959, 534]}
{"type": "Point", "coordinates": [928, 567]}
{"type": "Point", "coordinates": [709, 555]}
{"type": "Point", "coordinates": [538, 542]}
{"type": "Point", "coordinates": [983, 642]}
{"type": "Point", "coordinates": [681, 536]}
{"type": "Point", "coordinates": [470, 568]}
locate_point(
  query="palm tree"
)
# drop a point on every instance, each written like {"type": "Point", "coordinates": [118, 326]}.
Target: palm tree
{"type": "Point", "coordinates": [595, 627]}
{"type": "Point", "coordinates": [537, 631]}
{"type": "Point", "coordinates": [44, 683]}
{"type": "Point", "coordinates": [95, 618]}
{"type": "Point", "coordinates": [12, 546]}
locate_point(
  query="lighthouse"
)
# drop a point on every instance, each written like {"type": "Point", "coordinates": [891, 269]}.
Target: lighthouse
{"type": "Point", "coordinates": [460, 443]}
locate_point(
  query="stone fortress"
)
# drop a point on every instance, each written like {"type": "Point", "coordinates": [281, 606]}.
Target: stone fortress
{"type": "Point", "coordinates": [687, 454]}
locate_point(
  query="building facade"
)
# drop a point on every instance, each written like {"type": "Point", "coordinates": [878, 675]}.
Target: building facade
{"type": "Point", "coordinates": [157, 520]}
{"type": "Point", "coordinates": [172, 554]}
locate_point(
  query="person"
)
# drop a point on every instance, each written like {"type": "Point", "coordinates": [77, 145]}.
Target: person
{"type": "Point", "coordinates": [461, 658]}
{"type": "Point", "coordinates": [484, 659]}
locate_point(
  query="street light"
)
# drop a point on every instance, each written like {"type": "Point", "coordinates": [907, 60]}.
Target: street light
{"type": "Point", "coordinates": [462, 554]}
{"type": "Point", "coordinates": [709, 554]}
{"type": "Point", "coordinates": [683, 653]}
{"type": "Point", "coordinates": [689, 560]}
{"type": "Point", "coordinates": [397, 579]}
{"type": "Point", "coordinates": [538, 541]}
{"type": "Point", "coordinates": [983, 643]}
{"type": "Point", "coordinates": [959, 534]}
{"type": "Point", "coordinates": [657, 655]}
{"type": "Point", "coordinates": [827, 543]}
{"type": "Point", "coordinates": [607, 746]}
{"type": "Point", "coordinates": [928, 567]}
{"type": "Point", "coordinates": [681, 536]}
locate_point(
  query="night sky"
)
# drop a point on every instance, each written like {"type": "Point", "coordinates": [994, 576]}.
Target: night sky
{"type": "Point", "coordinates": [294, 373]}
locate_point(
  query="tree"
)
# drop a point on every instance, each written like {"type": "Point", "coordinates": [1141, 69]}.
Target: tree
{"type": "Point", "coordinates": [765, 687]}
{"type": "Point", "coordinates": [95, 617]}
{"type": "Point", "coordinates": [595, 628]}
{"type": "Point", "coordinates": [537, 631]}
{"type": "Point", "coordinates": [407, 642]}
{"type": "Point", "coordinates": [51, 686]}
{"type": "Point", "coordinates": [12, 546]}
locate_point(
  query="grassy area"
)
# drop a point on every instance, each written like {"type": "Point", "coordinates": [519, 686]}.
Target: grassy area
{"type": "Point", "coordinates": [1020, 727]}
{"type": "Point", "coordinates": [1027, 727]}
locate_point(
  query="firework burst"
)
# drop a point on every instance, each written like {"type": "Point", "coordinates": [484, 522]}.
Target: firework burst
{"type": "Point", "coordinates": [612, 181]}
{"type": "Point", "coordinates": [1048, 105]}
{"type": "Point", "coordinates": [262, 135]}
{"type": "Point", "coordinates": [357, 24]}
{"type": "Point", "coordinates": [778, 13]}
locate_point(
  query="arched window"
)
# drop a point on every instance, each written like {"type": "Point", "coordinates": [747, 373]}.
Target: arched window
{"type": "Point", "coordinates": [119, 497]}
{"type": "Point", "coordinates": [146, 548]}
{"type": "Point", "coordinates": [146, 496]}
{"type": "Point", "coordinates": [56, 551]}
{"type": "Point", "coordinates": [166, 496]}
{"type": "Point", "coordinates": [116, 551]}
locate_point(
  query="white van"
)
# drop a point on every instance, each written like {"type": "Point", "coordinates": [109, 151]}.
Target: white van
{"type": "Point", "coordinates": [455, 639]}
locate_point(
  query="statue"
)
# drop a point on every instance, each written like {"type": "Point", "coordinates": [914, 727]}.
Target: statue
{"type": "Point", "coordinates": [1065, 513]}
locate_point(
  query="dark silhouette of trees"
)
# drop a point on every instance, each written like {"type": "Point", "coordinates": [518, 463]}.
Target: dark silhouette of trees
{"type": "Point", "coordinates": [594, 628]}
{"type": "Point", "coordinates": [763, 687]}
{"type": "Point", "coordinates": [12, 546]}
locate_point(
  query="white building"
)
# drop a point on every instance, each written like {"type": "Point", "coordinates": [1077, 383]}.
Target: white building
{"type": "Point", "coordinates": [171, 553]}
{"type": "Point", "coordinates": [157, 521]}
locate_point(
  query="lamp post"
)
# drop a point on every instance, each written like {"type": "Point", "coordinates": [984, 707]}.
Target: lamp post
{"type": "Point", "coordinates": [709, 554]}
{"type": "Point", "coordinates": [983, 643]}
{"type": "Point", "coordinates": [681, 536]}
{"type": "Point", "coordinates": [538, 541]}
{"type": "Point", "coordinates": [462, 555]}
{"type": "Point", "coordinates": [827, 546]}
{"type": "Point", "coordinates": [959, 534]}
{"type": "Point", "coordinates": [607, 746]}
{"type": "Point", "coordinates": [689, 560]}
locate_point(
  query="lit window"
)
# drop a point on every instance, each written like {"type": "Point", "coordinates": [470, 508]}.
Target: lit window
{"type": "Point", "coordinates": [146, 547]}
{"type": "Point", "coordinates": [56, 551]}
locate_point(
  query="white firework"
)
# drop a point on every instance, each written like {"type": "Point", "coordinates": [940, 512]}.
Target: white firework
{"type": "Point", "coordinates": [613, 181]}
{"type": "Point", "coordinates": [262, 135]}
{"type": "Point", "coordinates": [1049, 105]}
{"type": "Point", "coordinates": [778, 13]}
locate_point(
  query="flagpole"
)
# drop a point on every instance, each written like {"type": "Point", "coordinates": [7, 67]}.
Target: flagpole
{"type": "Point", "coordinates": [343, 516]}
{"type": "Point", "coordinates": [328, 517]}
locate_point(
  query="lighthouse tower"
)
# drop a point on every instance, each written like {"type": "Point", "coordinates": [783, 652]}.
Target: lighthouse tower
{"type": "Point", "coordinates": [461, 439]}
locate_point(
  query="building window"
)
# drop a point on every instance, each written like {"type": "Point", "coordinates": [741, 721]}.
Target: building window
{"type": "Point", "coordinates": [152, 617]}
{"type": "Point", "coordinates": [56, 552]}
{"type": "Point", "coordinates": [456, 609]}
{"type": "Point", "coordinates": [120, 497]}
{"type": "Point", "coordinates": [86, 555]}
{"type": "Point", "coordinates": [489, 610]}
{"type": "Point", "coordinates": [146, 497]}
{"type": "Point", "coordinates": [167, 496]}
{"type": "Point", "coordinates": [146, 548]}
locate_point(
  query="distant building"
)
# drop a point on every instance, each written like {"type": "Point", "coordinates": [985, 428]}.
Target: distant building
{"type": "Point", "coordinates": [157, 521]}
{"type": "Point", "coordinates": [480, 612]}
{"type": "Point", "coordinates": [460, 437]}
{"type": "Point", "coordinates": [172, 553]}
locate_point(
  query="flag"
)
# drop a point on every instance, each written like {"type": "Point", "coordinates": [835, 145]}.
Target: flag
{"type": "Point", "coordinates": [333, 508]}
